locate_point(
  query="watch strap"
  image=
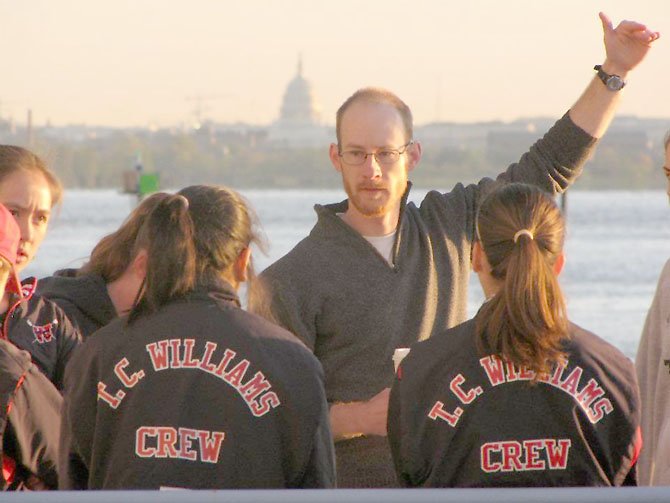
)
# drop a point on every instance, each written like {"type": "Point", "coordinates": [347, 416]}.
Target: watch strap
{"type": "Point", "coordinates": [612, 82]}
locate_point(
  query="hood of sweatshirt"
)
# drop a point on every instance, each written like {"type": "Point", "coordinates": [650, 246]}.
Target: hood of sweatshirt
{"type": "Point", "coordinates": [87, 293]}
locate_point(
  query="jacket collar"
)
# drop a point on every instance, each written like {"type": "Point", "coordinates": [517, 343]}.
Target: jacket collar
{"type": "Point", "coordinates": [328, 220]}
{"type": "Point", "coordinates": [217, 289]}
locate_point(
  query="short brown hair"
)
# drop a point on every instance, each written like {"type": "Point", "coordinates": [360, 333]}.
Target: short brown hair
{"type": "Point", "coordinates": [525, 322]}
{"type": "Point", "coordinates": [14, 158]}
{"type": "Point", "coordinates": [376, 95]}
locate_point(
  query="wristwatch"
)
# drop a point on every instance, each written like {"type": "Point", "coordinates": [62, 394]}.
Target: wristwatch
{"type": "Point", "coordinates": [612, 82]}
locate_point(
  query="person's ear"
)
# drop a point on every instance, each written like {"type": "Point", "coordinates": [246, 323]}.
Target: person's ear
{"type": "Point", "coordinates": [139, 264]}
{"type": "Point", "coordinates": [560, 262]}
{"type": "Point", "coordinates": [477, 257]}
{"type": "Point", "coordinates": [241, 265]}
{"type": "Point", "coordinates": [413, 155]}
{"type": "Point", "coordinates": [335, 159]}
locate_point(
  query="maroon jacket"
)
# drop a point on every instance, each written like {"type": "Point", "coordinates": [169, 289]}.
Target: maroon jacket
{"type": "Point", "coordinates": [29, 422]}
{"type": "Point", "coordinates": [200, 394]}
{"type": "Point", "coordinates": [41, 328]}
{"type": "Point", "coordinates": [458, 418]}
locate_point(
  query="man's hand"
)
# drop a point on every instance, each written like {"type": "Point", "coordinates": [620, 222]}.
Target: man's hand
{"type": "Point", "coordinates": [355, 419]}
{"type": "Point", "coordinates": [626, 45]}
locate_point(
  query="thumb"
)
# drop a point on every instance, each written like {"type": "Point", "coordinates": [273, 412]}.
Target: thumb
{"type": "Point", "coordinates": [606, 21]}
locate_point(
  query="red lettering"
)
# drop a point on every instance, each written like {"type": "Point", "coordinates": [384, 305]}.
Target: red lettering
{"type": "Point", "coordinates": [210, 445]}
{"type": "Point", "coordinates": [571, 382]}
{"type": "Point", "coordinates": [542, 377]}
{"type": "Point", "coordinates": [599, 410]}
{"type": "Point", "coordinates": [511, 456]}
{"type": "Point", "coordinates": [128, 381]}
{"type": "Point", "coordinates": [526, 374]}
{"type": "Point", "coordinates": [557, 375]}
{"type": "Point", "coordinates": [512, 373]}
{"type": "Point", "coordinates": [493, 367]}
{"type": "Point", "coordinates": [590, 393]}
{"type": "Point", "coordinates": [235, 376]}
{"type": "Point", "coordinates": [438, 412]}
{"type": "Point", "coordinates": [175, 361]}
{"type": "Point", "coordinates": [189, 362]}
{"type": "Point", "coordinates": [228, 355]}
{"type": "Point", "coordinates": [158, 352]}
{"type": "Point", "coordinates": [167, 438]}
{"type": "Point", "coordinates": [265, 403]}
{"type": "Point", "coordinates": [186, 436]}
{"type": "Point", "coordinates": [487, 465]}
{"type": "Point", "coordinates": [511, 452]}
{"type": "Point", "coordinates": [533, 461]}
{"type": "Point", "coordinates": [205, 364]}
{"type": "Point", "coordinates": [112, 400]}
{"type": "Point", "coordinates": [254, 387]}
{"type": "Point", "coordinates": [466, 398]}
{"type": "Point", "coordinates": [557, 453]}
{"type": "Point", "coordinates": [141, 448]}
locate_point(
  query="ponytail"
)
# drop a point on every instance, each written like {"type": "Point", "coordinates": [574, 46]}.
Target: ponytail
{"type": "Point", "coordinates": [111, 256]}
{"type": "Point", "coordinates": [167, 239]}
{"type": "Point", "coordinates": [192, 239]}
{"type": "Point", "coordinates": [521, 232]}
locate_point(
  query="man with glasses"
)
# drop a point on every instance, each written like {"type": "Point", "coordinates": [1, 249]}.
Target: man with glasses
{"type": "Point", "coordinates": [377, 273]}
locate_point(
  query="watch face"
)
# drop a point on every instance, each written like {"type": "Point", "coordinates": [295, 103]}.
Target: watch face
{"type": "Point", "coordinates": [615, 83]}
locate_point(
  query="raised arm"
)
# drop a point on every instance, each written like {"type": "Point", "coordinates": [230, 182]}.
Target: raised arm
{"type": "Point", "coordinates": [625, 47]}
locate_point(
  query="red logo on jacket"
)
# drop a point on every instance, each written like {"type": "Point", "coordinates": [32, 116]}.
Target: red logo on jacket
{"type": "Point", "coordinates": [43, 333]}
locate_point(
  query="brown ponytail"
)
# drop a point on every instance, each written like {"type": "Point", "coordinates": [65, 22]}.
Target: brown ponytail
{"type": "Point", "coordinates": [111, 256]}
{"type": "Point", "coordinates": [192, 238]}
{"type": "Point", "coordinates": [525, 322]}
{"type": "Point", "coordinates": [167, 239]}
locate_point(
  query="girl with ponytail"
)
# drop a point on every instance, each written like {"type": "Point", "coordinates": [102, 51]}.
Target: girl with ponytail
{"type": "Point", "coordinates": [189, 390]}
{"type": "Point", "coordinates": [518, 395]}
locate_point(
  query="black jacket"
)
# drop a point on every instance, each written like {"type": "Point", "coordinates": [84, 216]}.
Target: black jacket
{"type": "Point", "coordinates": [29, 422]}
{"type": "Point", "coordinates": [40, 327]}
{"type": "Point", "coordinates": [83, 298]}
{"type": "Point", "coordinates": [200, 394]}
{"type": "Point", "coordinates": [459, 419]}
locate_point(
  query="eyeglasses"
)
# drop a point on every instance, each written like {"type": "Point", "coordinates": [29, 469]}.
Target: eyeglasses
{"type": "Point", "coordinates": [386, 156]}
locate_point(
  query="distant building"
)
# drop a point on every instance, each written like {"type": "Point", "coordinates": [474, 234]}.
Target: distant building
{"type": "Point", "coordinates": [299, 123]}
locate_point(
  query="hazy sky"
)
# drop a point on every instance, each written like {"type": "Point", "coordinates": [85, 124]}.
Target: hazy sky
{"type": "Point", "coordinates": [142, 62]}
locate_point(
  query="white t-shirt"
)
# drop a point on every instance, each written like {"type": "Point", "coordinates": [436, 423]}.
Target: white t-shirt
{"type": "Point", "coordinates": [383, 244]}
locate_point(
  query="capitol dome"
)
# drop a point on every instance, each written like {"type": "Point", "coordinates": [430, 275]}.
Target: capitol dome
{"type": "Point", "coordinates": [299, 106]}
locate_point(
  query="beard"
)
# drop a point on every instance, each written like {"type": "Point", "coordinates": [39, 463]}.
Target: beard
{"type": "Point", "coordinates": [371, 207]}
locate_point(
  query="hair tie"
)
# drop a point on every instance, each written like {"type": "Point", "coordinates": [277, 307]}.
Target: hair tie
{"type": "Point", "coordinates": [182, 199]}
{"type": "Point", "coordinates": [521, 233]}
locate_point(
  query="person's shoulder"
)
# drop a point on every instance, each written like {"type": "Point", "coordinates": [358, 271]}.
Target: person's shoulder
{"type": "Point", "coordinates": [460, 199]}
{"type": "Point", "coordinates": [600, 354]}
{"type": "Point", "coordinates": [56, 285]}
{"type": "Point", "coordinates": [38, 307]}
{"type": "Point", "coordinates": [589, 342]}
{"type": "Point", "coordinates": [115, 327]}
{"type": "Point", "coordinates": [307, 258]}
{"type": "Point", "coordinates": [14, 361]}
{"type": "Point", "coordinates": [664, 277]}
{"type": "Point", "coordinates": [270, 343]}
{"type": "Point", "coordinates": [257, 328]}
{"type": "Point", "coordinates": [68, 285]}
{"type": "Point", "coordinates": [448, 345]}
{"type": "Point", "coordinates": [102, 344]}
